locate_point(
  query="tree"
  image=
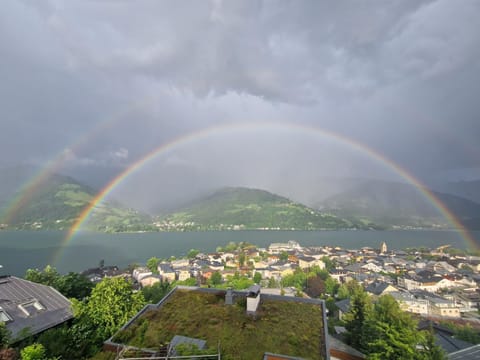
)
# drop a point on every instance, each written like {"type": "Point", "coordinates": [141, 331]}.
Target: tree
{"type": "Point", "coordinates": [60, 342]}
{"type": "Point", "coordinates": [393, 332]}
{"type": "Point", "coordinates": [216, 278]}
{"type": "Point", "coordinates": [283, 256]}
{"type": "Point", "coordinates": [467, 333]}
{"type": "Point", "coordinates": [153, 294]}
{"type": "Point", "coordinates": [331, 286]}
{"type": "Point", "coordinates": [111, 304]}
{"type": "Point", "coordinates": [329, 264]}
{"type": "Point", "coordinates": [357, 318]}
{"type": "Point", "coordinates": [5, 335]}
{"type": "Point", "coordinates": [315, 286]}
{"type": "Point", "coordinates": [430, 350]}
{"type": "Point", "coordinates": [33, 352]}
{"type": "Point", "coordinates": [74, 285]}
{"type": "Point", "coordinates": [241, 259]}
{"type": "Point", "coordinates": [152, 264]}
{"type": "Point", "coordinates": [257, 278]}
{"type": "Point", "coordinates": [49, 276]}
{"type": "Point", "coordinates": [272, 283]}
{"type": "Point", "coordinates": [298, 279]}
{"type": "Point", "coordinates": [192, 253]}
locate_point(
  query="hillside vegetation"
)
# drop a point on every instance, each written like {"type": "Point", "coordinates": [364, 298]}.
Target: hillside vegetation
{"type": "Point", "coordinates": [59, 201]}
{"type": "Point", "coordinates": [241, 208]}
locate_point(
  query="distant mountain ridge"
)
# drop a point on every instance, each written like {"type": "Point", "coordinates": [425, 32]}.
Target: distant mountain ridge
{"type": "Point", "coordinates": [244, 208]}
{"type": "Point", "coordinates": [466, 189]}
{"type": "Point", "coordinates": [396, 204]}
{"type": "Point", "coordinates": [58, 201]}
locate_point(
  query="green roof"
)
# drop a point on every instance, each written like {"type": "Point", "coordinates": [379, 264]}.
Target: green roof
{"type": "Point", "coordinates": [282, 325]}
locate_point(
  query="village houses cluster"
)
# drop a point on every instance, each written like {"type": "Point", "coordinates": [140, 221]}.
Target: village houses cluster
{"type": "Point", "coordinates": [431, 283]}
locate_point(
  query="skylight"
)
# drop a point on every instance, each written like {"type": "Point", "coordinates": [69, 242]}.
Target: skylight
{"type": "Point", "coordinates": [31, 307]}
{"type": "Point", "coordinates": [4, 317]}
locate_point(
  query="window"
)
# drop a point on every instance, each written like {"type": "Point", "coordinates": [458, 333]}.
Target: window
{"type": "Point", "coordinates": [31, 307]}
{"type": "Point", "coordinates": [4, 317]}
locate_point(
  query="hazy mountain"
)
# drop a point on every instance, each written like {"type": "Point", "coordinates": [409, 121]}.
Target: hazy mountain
{"type": "Point", "coordinates": [243, 208]}
{"type": "Point", "coordinates": [12, 178]}
{"type": "Point", "coordinates": [467, 189]}
{"type": "Point", "coordinates": [397, 204]}
{"type": "Point", "coordinates": [57, 202]}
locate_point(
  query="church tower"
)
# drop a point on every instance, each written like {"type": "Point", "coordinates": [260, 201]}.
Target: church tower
{"type": "Point", "coordinates": [383, 248]}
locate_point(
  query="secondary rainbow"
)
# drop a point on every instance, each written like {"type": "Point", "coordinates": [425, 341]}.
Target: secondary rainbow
{"type": "Point", "coordinates": [30, 187]}
{"type": "Point", "coordinates": [226, 129]}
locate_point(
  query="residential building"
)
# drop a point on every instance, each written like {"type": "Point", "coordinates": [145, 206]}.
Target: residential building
{"type": "Point", "coordinates": [28, 308]}
{"type": "Point", "coordinates": [409, 302]}
{"type": "Point", "coordinates": [227, 307]}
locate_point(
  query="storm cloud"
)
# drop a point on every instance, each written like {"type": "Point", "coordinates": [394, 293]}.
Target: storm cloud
{"type": "Point", "coordinates": [107, 82]}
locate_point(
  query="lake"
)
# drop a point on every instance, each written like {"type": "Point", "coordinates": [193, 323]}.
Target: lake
{"type": "Point", "coordinates": [20, 250]}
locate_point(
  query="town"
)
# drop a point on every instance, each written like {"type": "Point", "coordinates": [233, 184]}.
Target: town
{"type": "Point", "coordinates": [439, 288]}
{"type": "Point", "coordinates": [433, 283]}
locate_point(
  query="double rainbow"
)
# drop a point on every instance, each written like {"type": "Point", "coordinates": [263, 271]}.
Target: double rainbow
{"type": "Point", "coordinates": [227, 129]}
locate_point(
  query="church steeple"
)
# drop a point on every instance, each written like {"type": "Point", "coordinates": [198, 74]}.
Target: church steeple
{"type": "Point", "coordinates": [383, 248]}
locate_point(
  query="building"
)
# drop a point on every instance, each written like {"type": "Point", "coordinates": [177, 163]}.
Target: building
{"type": "Point", "coordinates": [443, 307]}
{"type": "Point", "coordinates": [28, 308]}
{"type": "Point", "coordinates": [293, 328]}
{"type": "Point", "coordinates": [166, 271]}
{"type": "Point", "coordinates": [383, 248]}
{"type": "Point", "coordinates": [307, 262]}
{"type": "Point", "coordinates": [379, 288]}
{"type": "Point", "coordinates": [277, 248]}
{"type": "Point", "coordinates": [411, 303]}
{"type": "Point", "coordinates": [150, 280]}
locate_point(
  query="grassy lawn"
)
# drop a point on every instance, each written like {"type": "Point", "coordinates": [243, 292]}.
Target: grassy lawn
{"type": "Point", "coordinates": [283, 327]}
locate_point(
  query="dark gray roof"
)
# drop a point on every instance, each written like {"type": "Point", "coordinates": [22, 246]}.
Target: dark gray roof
{"type": "Point", "coordinates": [450, 344]}
{"type": "Point", "coordinates": [444, 337]}
{"type": "Point", "coordinates": [178, 339]}
{"type": "Point", "coordinates": [377, 288]}
{"type": "Point", "coordinates": [356, 267]}
{"type": "Point", "coordinates": [343, 305]}
{"type": "Point", "coordinates": [470, 353]}
{"type": "Point", "coordinates": [341, 346]}
{"type": "Point", "coordinates": [165, 268]}
{"type": "Point", "coordinates": [31, 306]}
{"type": "Point", "coordinates": [306, 258]}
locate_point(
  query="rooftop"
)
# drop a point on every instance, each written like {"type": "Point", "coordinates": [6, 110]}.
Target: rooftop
{"type": "Point", "coordinates": [28, 305]}
{"type": "Point", "coordinates": [282, 325]}
{"type": "Point", "coordinates": [466, 354]}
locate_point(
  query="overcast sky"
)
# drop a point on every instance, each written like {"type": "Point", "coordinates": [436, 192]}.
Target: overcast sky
{"type": "Point", "coordinates": [106, 82]}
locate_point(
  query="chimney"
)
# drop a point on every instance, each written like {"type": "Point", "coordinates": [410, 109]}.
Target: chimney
{"type": "Point", "coordinates": [253, 299]}
{"type": "Point", "coordinates": [229, 297]}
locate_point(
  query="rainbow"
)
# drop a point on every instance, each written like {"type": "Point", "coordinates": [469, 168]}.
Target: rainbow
{"type": "Point", "coordinates": [29, 188]}
{"type": "Point", "coordinates": [226, 129]}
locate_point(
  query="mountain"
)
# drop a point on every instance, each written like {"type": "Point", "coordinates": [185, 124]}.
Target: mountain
{"type": "Point", "coordinates": [57, 202]}
{"type": "Point", "coordinates": [466, 189]}
{"type": "Point", "coordinates": [243, 208]}
{"type": "Point", "coordinates": [397, 205]}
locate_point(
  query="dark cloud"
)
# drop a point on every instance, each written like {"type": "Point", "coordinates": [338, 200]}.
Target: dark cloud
{"type": "Point", "coordinates": [110, 81]}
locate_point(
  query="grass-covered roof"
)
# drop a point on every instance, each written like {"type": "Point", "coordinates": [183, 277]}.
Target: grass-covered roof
{"type": "Point", "coordinates": [281, 325]}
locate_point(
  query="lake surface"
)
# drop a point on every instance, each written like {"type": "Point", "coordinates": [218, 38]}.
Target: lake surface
{"type": "Point", "coordinates": [20, 250]}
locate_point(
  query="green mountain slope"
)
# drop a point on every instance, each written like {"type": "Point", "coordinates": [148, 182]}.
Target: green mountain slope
{"type": "Point", "coordinates": [397, 205]}
{"type": "Point", "coordinates": [241, 208]}
{"type": "Point", "coordinates": [59, 201]}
